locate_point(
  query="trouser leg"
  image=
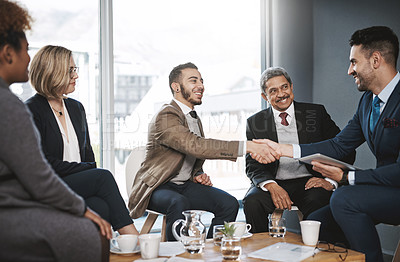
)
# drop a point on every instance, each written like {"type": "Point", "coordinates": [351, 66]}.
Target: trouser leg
{"type": "Point", "coordinates": [307, 200]}
{"type": "Point", "coordinates": [224, 206]}
{"type": "Point", "coordinates": [257, 205]}
{"type": "Point", "coordinates": [167, 199]}
{"type": "Point", "coordinates": [172, 200]}
{"type": "Point", "coordinates": [358, 208]}
{"type": "Point", "coordinates": [100, 183]}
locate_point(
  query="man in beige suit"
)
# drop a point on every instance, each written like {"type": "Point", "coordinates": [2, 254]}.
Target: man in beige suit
{"type": "Point", "coordinates": [171, 178]}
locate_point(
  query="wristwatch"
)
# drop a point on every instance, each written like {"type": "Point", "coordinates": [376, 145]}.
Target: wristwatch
{"type": "Point", "coordinates": [344, 180]}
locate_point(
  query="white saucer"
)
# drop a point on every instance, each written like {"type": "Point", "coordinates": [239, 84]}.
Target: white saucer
{"type": "Point", "coordinates": [247, 235]}
{"type": "Point", "coordinates": [119, 252]}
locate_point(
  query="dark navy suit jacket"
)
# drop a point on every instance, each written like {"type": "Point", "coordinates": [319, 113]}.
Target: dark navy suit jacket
{"type": "Point", "coordinates": [313, 125]}
{"type": "Point", "coordinates": [384, 141]}
{"type": "Point", "coordinates": [52, 143]}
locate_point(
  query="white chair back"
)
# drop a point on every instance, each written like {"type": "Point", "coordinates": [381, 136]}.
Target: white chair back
{"type": "Point", "coordinates": [133, 163]}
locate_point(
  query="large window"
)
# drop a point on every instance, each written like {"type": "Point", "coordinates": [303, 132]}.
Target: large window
{"type": "Point", "coordinates": [72, 24]}
{"type": "Point", "coordinates": [151, 37]}
{"type": "Point", "coordinates": [221, 37]}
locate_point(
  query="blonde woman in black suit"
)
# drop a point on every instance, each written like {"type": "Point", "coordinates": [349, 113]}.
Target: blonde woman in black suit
{"type": "Point", "coordinates": [65, 136]}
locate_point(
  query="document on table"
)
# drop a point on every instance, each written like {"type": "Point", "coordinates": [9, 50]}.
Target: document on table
{"type": "Point", "coordinates": [171, 259]}
{"type": "Point", "coordinates": [168, 249]}
{"type": "Point", "coordinates": [283, 252]}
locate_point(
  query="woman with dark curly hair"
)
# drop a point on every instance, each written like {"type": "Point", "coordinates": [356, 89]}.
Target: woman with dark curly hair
{"type": "Point", "coordinates": [41, 219]}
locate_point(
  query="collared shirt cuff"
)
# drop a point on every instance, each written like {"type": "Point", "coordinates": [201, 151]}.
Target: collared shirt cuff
{"type": "Point", "coordinates": [296, 151]}
{"type": "Point", "coordinates": [242, 148]}
{"type": "Point", "coordinates": [333, 182]}
{"type": "Point", "coordinates": [262, 184]}
{"type": "Point", "coordinates": [351, 177]}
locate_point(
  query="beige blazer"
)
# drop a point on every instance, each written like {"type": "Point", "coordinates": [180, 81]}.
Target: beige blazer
{"type": "Point", "coordinates": [169, 141]}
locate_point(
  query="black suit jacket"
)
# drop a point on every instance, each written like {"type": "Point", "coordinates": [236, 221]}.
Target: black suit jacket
{"type": "Point", "coordinates": [313, 125]}
{"type": "Point", "coordinates": [52, 143]}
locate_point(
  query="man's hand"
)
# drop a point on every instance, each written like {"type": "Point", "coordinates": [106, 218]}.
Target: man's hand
{"type": "Point", "coordinates": [105, 227]}
{"type": "Point", "coordinates": [262, 152]}
{"type": "Point", "coordinates": [319, 182]}
{"type": "Point", "coordinates": [279, 196]}
{"type": "Point", "coordinates": [283, 149]}
{"type": "Point", "coordinates": [203, 179]}
{"type": "Point", "coordinates": [332, 172]}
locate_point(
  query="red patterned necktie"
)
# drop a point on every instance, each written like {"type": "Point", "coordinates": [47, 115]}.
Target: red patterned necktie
{"type": "Point", "coordinates": [283, 116]}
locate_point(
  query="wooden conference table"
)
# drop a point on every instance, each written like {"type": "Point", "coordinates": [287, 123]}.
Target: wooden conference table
{"type": "Point", "coordinates": [256, 242]}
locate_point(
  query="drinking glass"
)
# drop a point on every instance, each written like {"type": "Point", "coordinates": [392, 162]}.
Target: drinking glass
{"type": "Point", "coordinates": [217, 234]}
{"type": "Point", "coordinates": [231, 248]}
{"type": "Point", "coordinates": [277, 227]}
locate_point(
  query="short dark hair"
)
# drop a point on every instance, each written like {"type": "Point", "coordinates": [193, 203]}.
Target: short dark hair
{"type": "Point", "coordinates": [176, 73]}
{"type": "Point", "coordinates": [378, 38]}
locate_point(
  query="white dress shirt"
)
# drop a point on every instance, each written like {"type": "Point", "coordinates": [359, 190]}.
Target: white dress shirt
{"type": "Point", "coordinates": [71, 145]}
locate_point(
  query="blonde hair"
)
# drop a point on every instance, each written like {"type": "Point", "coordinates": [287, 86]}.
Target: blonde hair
{"type": "Point", "coordinates": [49, 71]}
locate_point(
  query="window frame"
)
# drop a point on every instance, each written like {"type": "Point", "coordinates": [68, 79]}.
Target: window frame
{"type": "Point", "coordinates": [106, 74]}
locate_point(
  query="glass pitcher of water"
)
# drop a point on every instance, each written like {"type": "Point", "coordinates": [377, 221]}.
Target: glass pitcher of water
{"type": "Point", "coordinates": [192, 233]}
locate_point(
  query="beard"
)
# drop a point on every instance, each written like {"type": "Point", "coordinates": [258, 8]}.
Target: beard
{"type": "Point", "coordinates": [365, 79]}
{"type": "Point", "coordinates": [186, 96]}
{"type": "Point", "coordinates": [365, 82]}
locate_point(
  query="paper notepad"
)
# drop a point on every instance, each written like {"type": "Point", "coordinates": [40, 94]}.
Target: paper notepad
{"type": "Point", "coordinates": [284, 252]}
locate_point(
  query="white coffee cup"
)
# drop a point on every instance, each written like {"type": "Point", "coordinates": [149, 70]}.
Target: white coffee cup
{"type": "Point", "coordinates": [149, 245]}
{"type": "Point", "coordinates": [126, 243]}
{"type": "Point", "coordinates": [241, 228]}
{"type": "Point", "coordinates": [310, 231]}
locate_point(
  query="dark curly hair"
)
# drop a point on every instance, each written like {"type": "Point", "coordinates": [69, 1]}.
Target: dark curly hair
{"type": "Point", "coordinates": [14, 21]}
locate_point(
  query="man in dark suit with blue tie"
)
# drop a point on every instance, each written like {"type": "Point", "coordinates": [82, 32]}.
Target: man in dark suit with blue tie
{"type": "Point", "coordinates": [372, 196]}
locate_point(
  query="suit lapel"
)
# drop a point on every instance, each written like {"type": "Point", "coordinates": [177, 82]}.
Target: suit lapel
{"type": "Point", "coordinates": [182, 115]}
{"type": "Point", "coordinates": [299, 111]}
{"type": "Point", "coordinates": [201, 128]}
{"type": "Point", "coordinates": [199, 162]}
{"type": "Point", "coordinates": [49, 115]}
{"type": "Point", "coordinates": [74, 114]}
{"type": "Point", "coordinates": [388, 112]}
{"type": "Point", "coordinates": [267, 125]}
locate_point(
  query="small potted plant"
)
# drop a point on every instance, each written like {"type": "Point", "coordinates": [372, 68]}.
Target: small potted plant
{"type": "Point", "coordinates": [230, 246]}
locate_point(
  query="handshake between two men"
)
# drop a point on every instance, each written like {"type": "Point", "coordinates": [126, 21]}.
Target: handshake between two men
{"type": "Point", "coordinates": [267, 151]}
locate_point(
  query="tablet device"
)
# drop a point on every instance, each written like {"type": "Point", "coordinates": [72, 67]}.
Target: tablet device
{"type": "Point", "coordinates": [328, 161]}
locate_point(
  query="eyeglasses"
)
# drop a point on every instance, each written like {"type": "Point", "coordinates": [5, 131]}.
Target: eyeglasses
{"type": "Point", "coordinates": [73, 70]}
{"type": "Point", "coordinates": [336, 248]}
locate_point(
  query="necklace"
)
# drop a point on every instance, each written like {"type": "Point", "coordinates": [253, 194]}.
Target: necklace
{"type": "Point", "coordinates": [57, 111]}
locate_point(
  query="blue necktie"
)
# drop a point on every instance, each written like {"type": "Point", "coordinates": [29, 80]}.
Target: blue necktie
{"type": "Point", "coordinates": [375, 112]}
